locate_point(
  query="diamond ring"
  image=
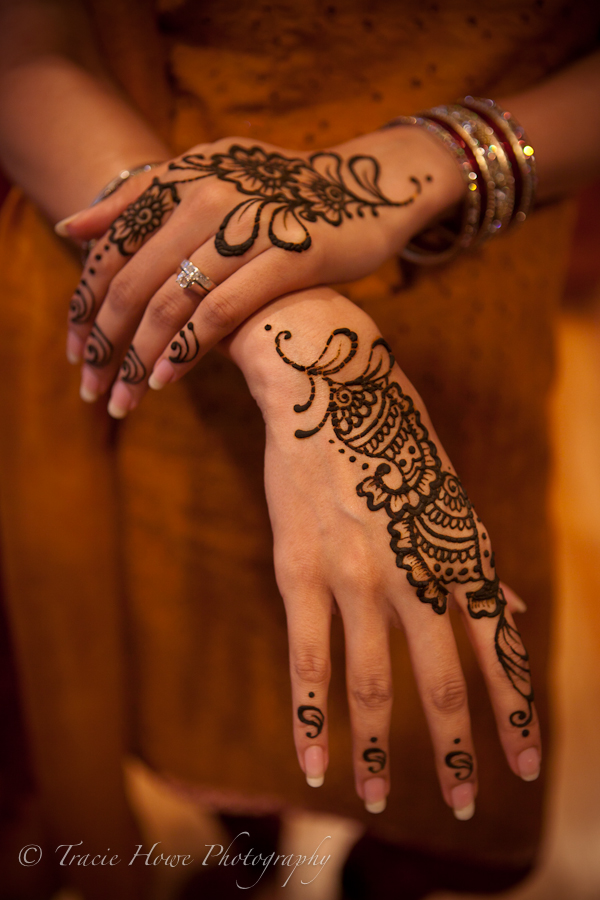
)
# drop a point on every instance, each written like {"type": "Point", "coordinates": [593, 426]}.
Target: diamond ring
{"type": "Point", "coordinates": [191, 277]}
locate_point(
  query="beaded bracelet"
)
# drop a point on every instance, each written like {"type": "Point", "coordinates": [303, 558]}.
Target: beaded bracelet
{"type": "Point", "coordinates": [497, 164]}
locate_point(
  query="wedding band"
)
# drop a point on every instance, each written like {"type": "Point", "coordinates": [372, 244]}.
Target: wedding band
{"type": "Point", "coordinates": [191, 277]}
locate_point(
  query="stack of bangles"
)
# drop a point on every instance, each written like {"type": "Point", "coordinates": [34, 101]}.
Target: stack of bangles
{"type": "Point", "coordinates": [498, 166]}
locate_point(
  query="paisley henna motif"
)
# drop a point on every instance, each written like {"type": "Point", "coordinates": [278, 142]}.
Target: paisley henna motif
{"type": "Point", "coordinates": [434, 532]}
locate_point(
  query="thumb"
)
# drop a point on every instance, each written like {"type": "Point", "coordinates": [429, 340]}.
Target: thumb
{"type": "Point", "coordinates": [94, 220]}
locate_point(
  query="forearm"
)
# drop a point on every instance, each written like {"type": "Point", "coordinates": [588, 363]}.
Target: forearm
{"type": "Point", "coordinates": [65, 129]}
{"type": "Point", "coordinates": [561, 117]}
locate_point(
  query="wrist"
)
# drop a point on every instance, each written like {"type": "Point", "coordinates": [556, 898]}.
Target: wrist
{"type": "Point", "coordinates": [308, 317]}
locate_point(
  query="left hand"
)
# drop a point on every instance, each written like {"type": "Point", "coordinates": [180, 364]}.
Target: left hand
{"type": "Point", "coordinates": [259, 221]}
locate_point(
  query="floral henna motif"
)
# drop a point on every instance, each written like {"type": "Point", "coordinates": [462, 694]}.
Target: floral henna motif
{"type": "Point", "coordinates": [144, 216]}
{"type": "Point", "coordinates": [434, 533]}
{"type": "Point", "coordinates": [293, 189]}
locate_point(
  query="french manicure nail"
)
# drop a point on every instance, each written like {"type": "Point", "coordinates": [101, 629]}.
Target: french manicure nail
{"type": "Point", "coordinates": [375, 795]}
{"type": "Point", "coordinates": [61, 227]}
{"type": "Point", "coordinates": [528, 764]}
{"type": "Point", "coordinates": [463, 801]}
{"type": "Point", "coordinates": [314, 765]}
{"type": "Point", "coordinates": [162, 374]}
{"type": "Point", "coordinates": [120, 401]}
{"type": "Point", "coordinates": [74, 348]}
{"type": "Point", "coordinates": [90, 387]}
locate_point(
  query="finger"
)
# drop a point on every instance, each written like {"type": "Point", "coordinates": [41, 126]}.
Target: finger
{"type": "Point", "coordinates": [370, 694]}
{"type": "Point", "coordinates": [95, 219]}
{"type": "Point", "coordinates": [443, 692]}
{"type": "Point", "coordinates": [268, 276]}
{"type": "Point", "coordinates": [164, 323]}
{"type": "Point", "coordinates": [505, 666]}
{"type": "Point", "coordinates": [513, 601]}
{"type": "Point", "coordinates": [308, 619]}
{"type": "Point", "coordinates": [126, 235]}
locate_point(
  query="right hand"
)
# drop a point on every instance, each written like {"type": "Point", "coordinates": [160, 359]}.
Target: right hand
{"type": "Point", "coordinates": [370, 520]}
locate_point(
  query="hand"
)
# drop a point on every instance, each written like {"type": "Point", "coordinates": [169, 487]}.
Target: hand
{"type": "Point", "coordinates": [258, 221]}
{"type": "Point", "coordinates": [370, 520]}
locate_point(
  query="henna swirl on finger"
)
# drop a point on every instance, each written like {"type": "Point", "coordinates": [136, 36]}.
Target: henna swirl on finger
{"type": "Point", "coordinates": [184, 349]}
{"type": "Point", "coordinates": [98, 350]}
{"type": "Point", "coordinates": [144, 216]}
{"type": "Point", "coordinates": [461, 760]}
{"type": "Point", "coordinates": [133, 369]}
{"type": "Point", "coordinates": [82, 304]}
{"type": "Point", "coordinates": [377, 757]}
{"type": "Point", "coordinates": [315, 719]}
{"type": "Point", "coordinates": [434, 532]}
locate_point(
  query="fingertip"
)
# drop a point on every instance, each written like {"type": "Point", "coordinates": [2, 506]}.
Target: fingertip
{"type": "Point", "coordinates": [463, 801]}
{"type": "Point", "coordinates": [529, 763]}
{"type": "Point", "coordinates": [314, 766]}
{"type": "Point", "coordinates": [375, 795]}
{"type": "Point", "coordinates": [163, 374]}
{"type": "Point", "coordinates": [62, 228]}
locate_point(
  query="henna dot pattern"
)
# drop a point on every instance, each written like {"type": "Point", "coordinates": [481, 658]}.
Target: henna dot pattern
{"type": "Point", "coordinates": [268, 327]}
{"type": "Point", "coordinates": [311, 694]}
{"type": "Point", "coordinates": [313, 716]}
{"type": "Point", "coordinates": [186, 347]}
{"type": "Point", "coordinates": [431, 523]}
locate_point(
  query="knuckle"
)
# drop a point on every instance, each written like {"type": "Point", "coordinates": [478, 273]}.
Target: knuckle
{"type": "Point", "coordinates": [450, 695]}
{"type": "Point", "coordinates": [165, 313]}
{"type": "Point", "coordinates": [374, 692]}
{"type": "Point", "coordinates": [311, 667]}
{"type": "Point", "coordinates": [220, 313]}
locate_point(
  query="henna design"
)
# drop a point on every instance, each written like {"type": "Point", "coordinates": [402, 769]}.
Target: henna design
{"type": "Point", "coordinates": [98, 350]}
{"type": "Point", "coordinates": [432, 526]}
{"type": "Point", "coordinates": [82, 304]}
{"type": "Point", "coordinates": [133, 369]}
{"type": "Point", "coordinates": [183, 350]}
{"type": "Point", "coordinates": [315, 719]}
{"type": "Point", "coordinates": [377, 757]}
{"type": "Point", "coordinates": [145, 215]}
{"type": "Point", "coordinates": [461, 760]}
{"type": "Point", "coordinates": [294, 189]}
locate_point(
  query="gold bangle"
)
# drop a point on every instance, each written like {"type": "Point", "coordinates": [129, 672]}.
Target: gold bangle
{"type": "Point", "coordinates": [516, 146]}
{"type": "Point", "coordinates": [441, 242]}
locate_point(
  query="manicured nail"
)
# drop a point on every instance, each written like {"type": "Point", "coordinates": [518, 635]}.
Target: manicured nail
{"type": "Point", "coordinates": [375, 795]}
{"type": "Point", "coordinates": [120, 401]}
{"type": "Point", "coordinates": [61, 227]}
{"type": "Point", "coordinates": [74, 348]}
{"type": "Point", "coordinates": [519, 605]}
{"type": "Point", "coordinates": [528, 764]}
{"type": "Point", "coordinates": [90, 386]}
{"type": "Point", "coordinates": [314, 765]}
{"type": "Point", "coordinates": [463, 801]}
{"type": "Point", "coordinates": [163, 374]}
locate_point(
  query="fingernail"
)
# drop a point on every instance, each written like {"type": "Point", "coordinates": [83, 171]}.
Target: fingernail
{"type": "Point", "coordinates": [528, 764]}
{"type": "Point", "coordinates": [314, 765]}
{"type": "Point", "coordinates": [90, 387]}
{"type": "Point", "coordinates": [120, 401]}
{"type": "Point", "coordinates": [463, 801]}
{"type": "Point", "coordinates": [163, 374]}
{"type": "Point", "coordinates": [74, 348]}
{"type": "Point", "coordinates": [61, 227]}
{"type": "Point", "coordinates": [519, 605]}
{"type": "Point", "coordinates": [375, 795]}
